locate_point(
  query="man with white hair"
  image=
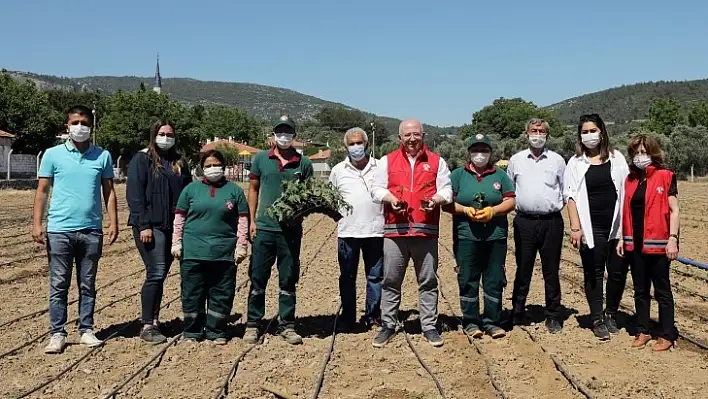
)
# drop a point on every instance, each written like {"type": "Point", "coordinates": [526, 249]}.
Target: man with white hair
{"type": "Point", "coordinates": [359, 232]}
{"type": "Point", "coordinates": [412, 182]}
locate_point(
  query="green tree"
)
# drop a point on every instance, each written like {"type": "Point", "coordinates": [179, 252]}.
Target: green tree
{"type": "Point", "coordinates": [341, 119]}
{"type": "Point", "coordinates": [698, 114]}
{"type": "Point", "coordinates": [507, 118]}
{"type": "Point", "coordinates": [688, 147]}
{"type": "Point", "coordinates": [25, 112]}
{"type": "Point", "coordinates": [664, 114]}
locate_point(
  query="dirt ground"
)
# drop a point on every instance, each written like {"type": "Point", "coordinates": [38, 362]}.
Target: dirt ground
{"type": "Point", "coordinates": [521, 364]}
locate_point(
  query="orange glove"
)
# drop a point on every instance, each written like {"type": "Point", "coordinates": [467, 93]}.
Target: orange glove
{"type": "Point", "coordinates": [484, 215]}
{"type": "Point", "coordinates": [470, 212]}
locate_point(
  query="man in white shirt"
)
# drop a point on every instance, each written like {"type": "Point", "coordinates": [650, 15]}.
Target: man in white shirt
{"type": "Point", "coordinates": [359, 232]}
{"type": "Point", "coordinates": [412, 182]}
{"type": "Point", "coordinates": [537, 173]}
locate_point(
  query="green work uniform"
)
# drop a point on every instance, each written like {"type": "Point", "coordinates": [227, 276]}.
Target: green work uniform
{"type": "Point", "coordinates": [273, 240]}
{"type": "Point", "coordinates": [207, 268]}
{"type": "Point", "coordinates": [480, 248]}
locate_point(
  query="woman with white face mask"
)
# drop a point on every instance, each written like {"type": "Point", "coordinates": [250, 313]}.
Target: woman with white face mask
{"type": "Point", "coordinates": [594, 186]}
{"type": "Point", "coordinates": [156, 177]}
{"type": "Point", "coordinates": [650, 231]}
{"type": "Point", "coordinates": [211, 224]}
{"type": "Point", "coordinates": [480, 231]}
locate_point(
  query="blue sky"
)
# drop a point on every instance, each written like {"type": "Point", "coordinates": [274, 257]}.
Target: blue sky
{"type": "Point", "coordinates": [438, 62]}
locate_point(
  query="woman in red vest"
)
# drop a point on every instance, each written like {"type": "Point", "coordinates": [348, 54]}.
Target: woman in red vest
{"type": "Point", "coordinates": [650, 229]}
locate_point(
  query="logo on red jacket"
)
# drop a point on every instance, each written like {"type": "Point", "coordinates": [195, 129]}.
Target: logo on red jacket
{"type": "Point", "coordinates": [426, 167]}
{"type": "Point", "coordinates": [659, 190]}
{"type": "Point", "coordinates": [496, 185]}
{"type": "Point", "coordinates": [229, 205]}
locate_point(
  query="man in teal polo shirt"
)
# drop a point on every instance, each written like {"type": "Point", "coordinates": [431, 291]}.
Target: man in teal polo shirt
{"type": "Point", "coordinates": [77, 172]}
{"type": "Point", "coordinates": [271, 240]}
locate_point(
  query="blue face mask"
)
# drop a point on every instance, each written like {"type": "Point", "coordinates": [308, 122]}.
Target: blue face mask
{"type": "Point", "coordinates": [357, 152]}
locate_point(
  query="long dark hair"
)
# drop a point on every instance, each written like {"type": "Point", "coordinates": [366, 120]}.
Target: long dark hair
{"type": "Point", "coordinates": [171, 155]}
{"type": "Point", "coordinates": [604, 147]}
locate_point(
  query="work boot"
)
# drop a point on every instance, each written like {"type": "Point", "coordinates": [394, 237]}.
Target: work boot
{"type": "Point", "coordinates": [291, 337]}
{"type": "Point", "coordinates": [641, 340]}
{"type": "Point", "coordinates": [611, 324]}
{"type": "Point", "coordinates": [251, 336]}
{"type": "Point", "coordinates": [57, 343]}
{"type": "Point", "coordinates": [433, 337]}
{"type": "Point", "coordinates": [600, 330]}
{"type": "Point", "coordinates": [152, 335]}
{"type": "Point", "coordinates": [473, 332]}
{"type": "Point", "coordinates": [662, 344]}
{"type": "Point", "coordinates": [554, 326]}
{"type": "Point", "coordinates": [385, 334]}
{"type": "Point", "coordinates": [219, 341]}
{"type": "Point", "coordinates": [496, 332]}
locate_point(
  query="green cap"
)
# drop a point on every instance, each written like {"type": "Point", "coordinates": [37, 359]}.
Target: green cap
{"type": "Point", "coordinates": [479, 138]}
{"type": "Point", "coordinates": [284, 120]}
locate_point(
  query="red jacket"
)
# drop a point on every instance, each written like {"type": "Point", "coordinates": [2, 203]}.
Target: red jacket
{"type": "Point", "coordinates": [656, 210]}
{"type": "Point", "coordinates": [412, 188]}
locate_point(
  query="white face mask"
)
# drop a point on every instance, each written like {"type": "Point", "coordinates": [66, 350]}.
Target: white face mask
{"type": "Point", "coordinates": [590, 140]}
{"type": "Point", "coordinates": [641, 161]}
{"type": "Point", "coordinates": [480, 159]}
{"type": "Point", "coordinates": [357, 152]}
{"type": "Point", "coordinates": [537, 141]}
{"type": "Point", "coordinates": [79, 133]}
{"type": "Point", "coordinates": [164, 142]}
{"type": "Point", "coordinates": [284, 140]}
{"type": "Point", "coordinates": [214, 173]}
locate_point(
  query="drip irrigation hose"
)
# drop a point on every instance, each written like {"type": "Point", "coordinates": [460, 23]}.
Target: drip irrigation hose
{"type": "Point", "coordinates": [422, 363]}
{"type": "Point", "coordinates": [320, 378]}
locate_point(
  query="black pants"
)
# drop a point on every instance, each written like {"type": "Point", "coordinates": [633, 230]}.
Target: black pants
{"type": "Point", "coordinates": [648, 270]}
{"type": "Point", "coordinates": [157, 258]}
{"type": "Point", "coordinates": [595, 261]}
{"type": "Point", "coordinates": [208, 290]}
{"type": "Point", "coordinates": [348, 252]}
{"type": "Point", "coordinates": [534, 234]}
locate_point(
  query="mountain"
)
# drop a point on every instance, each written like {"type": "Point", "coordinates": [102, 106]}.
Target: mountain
{"type": "Point", "coordinates": [265, 102]}
{"type": "Point", "coordinates": [629, 102]}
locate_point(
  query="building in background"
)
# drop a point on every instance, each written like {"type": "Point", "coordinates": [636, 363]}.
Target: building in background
{"type": "Point", "coordinates": [157, 86]}
{"type": "Point", "coordinates": [319, 163]}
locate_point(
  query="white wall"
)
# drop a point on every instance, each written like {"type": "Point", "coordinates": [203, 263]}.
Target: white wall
{"type": "Point", "coordinates": [22, 166]}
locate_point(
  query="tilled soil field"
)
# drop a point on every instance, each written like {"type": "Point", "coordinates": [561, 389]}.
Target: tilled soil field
{"type": "Point", "coordinates": [528, 363]}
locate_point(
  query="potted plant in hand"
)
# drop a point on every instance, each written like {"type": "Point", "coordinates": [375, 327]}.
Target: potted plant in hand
{"type": "Point", "coordinates": [301, 198]}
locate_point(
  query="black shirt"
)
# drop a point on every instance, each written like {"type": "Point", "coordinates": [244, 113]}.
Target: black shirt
{"type": "Point", "coordinates": [638, 204]}
{"type": "Point", "coordinates": [602, 197]}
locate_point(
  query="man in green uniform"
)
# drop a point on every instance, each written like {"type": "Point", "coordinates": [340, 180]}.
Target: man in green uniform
{"type": "Point", "coordinates": [479, 233]}
{"type": "Point", "coordinates": [271, 240]}
{"type": "Point", "coordinates": [210, 211]}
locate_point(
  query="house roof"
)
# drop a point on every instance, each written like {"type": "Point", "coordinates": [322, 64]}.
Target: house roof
{"type": "Point", "coordinates": [6, 134]}
{"type": "Point", "coordinates": [321, 156]}
{"type": "Point", "coordinates": [226, 143]}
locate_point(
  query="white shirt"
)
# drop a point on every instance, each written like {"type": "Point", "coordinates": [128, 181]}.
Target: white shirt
{"type": "Point", "coordinates": [443, 185]}
{"type": "Point", "coordinates": [538, 182]}
{"type": "Point", "coordinates": [576, 189]}
{"type": "Point", "coordinates": [366, 219]}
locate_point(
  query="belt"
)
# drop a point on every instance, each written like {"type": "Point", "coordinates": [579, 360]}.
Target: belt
{"type": "Point", "coordinates": [543, 216]}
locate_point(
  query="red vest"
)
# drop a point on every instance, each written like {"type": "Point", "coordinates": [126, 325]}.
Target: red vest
{"type": "Point", "coordinates": [412, 188]}
{"type": "Point", "coordinates": [656, 210]}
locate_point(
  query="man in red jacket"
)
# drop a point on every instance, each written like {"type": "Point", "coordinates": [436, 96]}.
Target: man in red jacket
{"type": "Point", "coordinates": [412, 182]}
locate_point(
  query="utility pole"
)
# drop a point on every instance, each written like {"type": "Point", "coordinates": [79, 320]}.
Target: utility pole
{"type": "Point", "coordinates": [373, 139]}
{"type": "Point", "coordinates": [93, 111]}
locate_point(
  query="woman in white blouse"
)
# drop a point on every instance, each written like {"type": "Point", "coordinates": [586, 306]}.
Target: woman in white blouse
{"type": "Point", "coordinates": [594, 186]}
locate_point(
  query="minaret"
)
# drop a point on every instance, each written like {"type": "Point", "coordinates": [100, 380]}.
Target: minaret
{"type": "Point", "coordinates": [157, 87]}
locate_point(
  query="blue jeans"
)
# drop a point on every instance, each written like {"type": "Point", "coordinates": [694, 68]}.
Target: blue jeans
{"type": "Point", "coordinates": [84, 247]}
{"type": "Point", "coordinates": [157, 258]}
{"type": "Point", "coordinates": [348, 255]}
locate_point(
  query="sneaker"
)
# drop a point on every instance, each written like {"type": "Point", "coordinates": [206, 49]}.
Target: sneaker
{"type": "Point", "coordinates": [219, 341]}
{"type": "Point", "coordinates": [291, 337]}
{"type": "Point", "coordinates": [662, 344]}
{"type": "Point", "coordinates": [553, 326]}
{"type": "Point", "coordinates": [189, 340]}
{"type": "Point", "coordinates": [433, 338]}
{"type": "Point", "coordinates": [496, 332]}
{"type": "Point", "coordinates": [641, 340]}
{"type": "Point", "coordinates": [385, 334]}
{"type": "Point", "coordinates": [473, 332]}
{"type": "Point", "coordinates": [600, 330]}
{"type": "Point", "coordinates": [89, 339]}
{"type": "Point", "coordinates": [519, 319]}
{"type": "Point", "coordinates": [611, 324]}
{"type": "Point", "coordinates": [151, 335]}
{"type": "Point", "coordinates": [57, 343]}
{"type": "Point", "coordinates": [251, 336]}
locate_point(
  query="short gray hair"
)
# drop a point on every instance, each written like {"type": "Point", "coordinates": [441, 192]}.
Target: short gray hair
{"type": "Point", "coordinates": [355, 130]}
{"type": "Point", "coordinates": [537, 121]}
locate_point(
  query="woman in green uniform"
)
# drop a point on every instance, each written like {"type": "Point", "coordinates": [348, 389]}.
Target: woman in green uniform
{"type": "Point", "coordinates": [484, 194]}
{"type": "Point", "coordinates": [211, 222]}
